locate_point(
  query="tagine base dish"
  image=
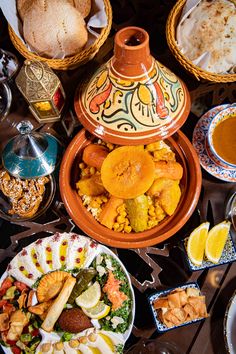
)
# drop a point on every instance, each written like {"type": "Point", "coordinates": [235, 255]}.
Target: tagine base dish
{"type": "Point", "coordinates": [190, 184]}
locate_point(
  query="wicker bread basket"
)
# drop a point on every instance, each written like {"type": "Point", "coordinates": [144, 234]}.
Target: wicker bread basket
{"type": "Point", "coordinates": [69, 62]}
{"type": "Point", "coordinates": [199, 73]}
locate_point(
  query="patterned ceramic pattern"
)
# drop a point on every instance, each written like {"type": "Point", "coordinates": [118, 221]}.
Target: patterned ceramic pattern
{"type": "Point", "coordinates": [229, 326]}
{"type": "Point", "coordinates": [151, 106]}
{"type": "Point", "coordinates": [159, 325]}
{"type": "Point", "coordinates": [207, 160]}
{"type": "Point", "coordinates": [219, 117]}
{"type": "Point", "coordinates": [228, 255]}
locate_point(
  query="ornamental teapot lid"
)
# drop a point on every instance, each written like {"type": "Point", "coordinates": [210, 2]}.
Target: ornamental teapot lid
{"type": "Point", "coordinates": [31, 154]}
{"type": "Point", "coordinates": [132, 99]}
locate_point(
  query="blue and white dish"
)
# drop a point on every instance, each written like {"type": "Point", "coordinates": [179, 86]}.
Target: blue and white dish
{"type": "Point", "coordinates": [207, 160]}
{"type": "Point", "coordinates": [224, 114]}
{"type": "Point", "coordinates": [229, 325]}
{"type": "Point", "coordinates": [161, 327]}
{"type": "Point", "coordinates": [228, 256]}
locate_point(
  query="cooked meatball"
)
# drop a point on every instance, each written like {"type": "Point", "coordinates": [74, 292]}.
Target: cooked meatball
{"type": "Point", "coordinates": [74, 320]}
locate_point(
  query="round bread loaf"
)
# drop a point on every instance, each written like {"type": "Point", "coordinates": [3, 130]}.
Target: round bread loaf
{"type": "Point", "coordinates": [83, 6]}
{"type": "Point", "coordinates": [207, 36]}
{"type": "Point", "coordinates": [22, 7]}
{"type": "Point", "coordinates": [54, 28]}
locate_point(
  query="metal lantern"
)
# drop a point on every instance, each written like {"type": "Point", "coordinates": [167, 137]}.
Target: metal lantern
{"type": "Point", "coordinates": [43, 91]}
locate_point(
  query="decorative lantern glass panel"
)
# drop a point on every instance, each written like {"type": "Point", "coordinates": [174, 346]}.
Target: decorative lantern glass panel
{"type": "Point", "coordinates": [42, 89]}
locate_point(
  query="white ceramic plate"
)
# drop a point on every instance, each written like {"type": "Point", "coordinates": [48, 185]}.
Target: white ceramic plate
{"type": "Point", "coordinates": [229, 325]}
{"type": "Point", "coordinates": [93, 249]}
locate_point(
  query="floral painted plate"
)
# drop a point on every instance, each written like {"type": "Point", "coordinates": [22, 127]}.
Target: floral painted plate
{"type": "Point", "coordinates": [229, 326]}
{"type": "Point", "coordinates": [161, 327]}
{"type": "Point", "coordinates": [228, 256]}
{"type": "Point", "coordinates": [209, 162]}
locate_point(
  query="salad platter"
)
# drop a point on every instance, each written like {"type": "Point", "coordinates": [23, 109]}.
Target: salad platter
{"type": "Point", "coordinates": [65, 294]}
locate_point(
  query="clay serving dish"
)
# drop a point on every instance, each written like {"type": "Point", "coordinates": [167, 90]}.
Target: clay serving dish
{"type": "Point", "coordinates": [190, 185]}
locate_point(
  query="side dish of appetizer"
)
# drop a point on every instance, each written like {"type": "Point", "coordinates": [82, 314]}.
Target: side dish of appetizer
{"type": "Point", "coordinates": [65, 294]}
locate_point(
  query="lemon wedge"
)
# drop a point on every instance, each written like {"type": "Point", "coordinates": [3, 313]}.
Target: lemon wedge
{"type": "Point", "coordinates": [99, 311]}
{"type": "Point", "coordinates": [90, 297]}
{"type": "Point", "coordinates": [196, 243]}
{"type": "Point", "coordinates": [216, 240]}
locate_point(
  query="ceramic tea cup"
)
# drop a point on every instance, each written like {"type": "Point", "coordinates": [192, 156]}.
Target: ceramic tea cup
{"type": "Point", "coordinates": [221, 136]}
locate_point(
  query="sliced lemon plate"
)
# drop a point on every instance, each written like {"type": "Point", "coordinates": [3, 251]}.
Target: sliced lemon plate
{"type": "Point", "coordinates": [90, 297]}
{"type": "Point", "coordinates": [216, 241]}
{"type": "Point", "coordinates": [196, 243]}
{"type": "Point", "coordinates": [99, 311]}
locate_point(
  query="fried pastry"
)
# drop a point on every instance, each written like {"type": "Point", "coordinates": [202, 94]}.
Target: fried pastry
{"type": "Point", "coordinates": [50, 285]}
{"type": "Point", "coordinates": [25, 195]}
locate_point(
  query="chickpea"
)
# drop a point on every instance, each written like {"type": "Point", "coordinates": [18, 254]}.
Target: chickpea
{"type": "Point", "coordinates": [83, 340]}
{"type": "Point", "coordinates": [45, 347]}
{"type": "Point", "coordinates": [127, 229]}
{"type": "Point", "coordinates": [58, 345]}
{"type": "Point", "coordinates": [116, 226]}
{"type": "Point", "coordinates": [82, 165]}
{"type": "Point", "coordinates": [120, 219]}
{"type": "Point", "coordinates": [110, 146]}
{"type": "Point", "coordinates": [73, 343]}
{"type": "Point", "coordinates": [92, 170]}
{"type": "Point", "coordinates": [92, 337]}
{"type": "Point", "coordinates": [94, 204]}
{"type": "Point", "coordinates": [120, 228]}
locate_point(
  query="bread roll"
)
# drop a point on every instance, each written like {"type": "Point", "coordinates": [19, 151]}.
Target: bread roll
{"type": "Point", "coordinates": [54, 28]}
{"type": "Point", "coordinates": [22, 7]}
{"type": "Point", "coordinates": [83, 6]}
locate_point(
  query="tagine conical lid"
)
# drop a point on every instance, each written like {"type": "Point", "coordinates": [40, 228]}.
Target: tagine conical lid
{"type": "Point", "coordinates": [132, 99]}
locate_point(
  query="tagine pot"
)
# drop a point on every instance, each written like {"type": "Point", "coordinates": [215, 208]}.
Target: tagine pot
{"type": "Point", "coordinates": [132, 99]}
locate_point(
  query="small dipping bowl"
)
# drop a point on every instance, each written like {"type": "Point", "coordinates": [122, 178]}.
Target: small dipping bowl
{"type": "Point", "coordinates": [5, 100]}
{"type": "Point", "coordinates": [221, 136]}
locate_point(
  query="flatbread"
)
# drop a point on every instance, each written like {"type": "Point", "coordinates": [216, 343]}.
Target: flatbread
{"type": "Point", "coordinates": [54, 28]}
{"type": "Point", "coordinates": [207, 36]}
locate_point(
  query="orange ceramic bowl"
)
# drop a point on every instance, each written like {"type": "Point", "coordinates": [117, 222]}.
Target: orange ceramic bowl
{"type": "Point", "coordinates": [190, 186]}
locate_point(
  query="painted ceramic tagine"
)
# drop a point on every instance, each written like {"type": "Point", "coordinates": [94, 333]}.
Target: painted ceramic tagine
{"type": "Point", "coordinates": [132, 99]}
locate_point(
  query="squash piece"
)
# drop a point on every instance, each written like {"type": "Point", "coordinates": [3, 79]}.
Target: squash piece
{"type": "Point", "coordinates": [167, 192]}
{"type": "Point", "coordinates": [94, 155]}
{"type": "Point", "coordinates": [127, 172]}
{"type": "Point", "coordinates": [109, 212]}
{"type": "Point", "coordinates": [91, 186]}
{"type": "Point", "coordinates": [170, 169]}
{"type": "Point", "coordinates": [138, 212]}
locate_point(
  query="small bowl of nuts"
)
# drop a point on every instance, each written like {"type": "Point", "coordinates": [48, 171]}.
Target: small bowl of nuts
{"type": "Point", "coordinates": [25, 199]}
